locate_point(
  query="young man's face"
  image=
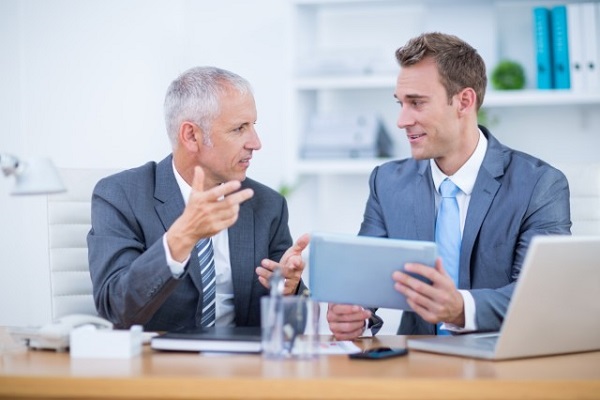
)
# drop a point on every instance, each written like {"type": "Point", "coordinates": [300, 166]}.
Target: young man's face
{"type": "Point", "coordinates": [232, 140]}
{"type": "Point", "coordinates": [431, 124]}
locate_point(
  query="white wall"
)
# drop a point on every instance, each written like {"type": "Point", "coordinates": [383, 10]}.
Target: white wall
{"type": "Point", "coordinates": [83, 83]}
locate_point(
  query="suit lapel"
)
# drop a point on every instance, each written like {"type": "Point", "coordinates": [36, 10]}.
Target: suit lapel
{"type": "Point", "coordinates": [242, 271]}
{"type": "Point", "coordinates": [169, 203]}
{"type": "Point", "coordinates": [169, 206]}
{"type": "Point", "coordinates": [424, 206]}
{"type": "Point", "coordinates": [484, 192]}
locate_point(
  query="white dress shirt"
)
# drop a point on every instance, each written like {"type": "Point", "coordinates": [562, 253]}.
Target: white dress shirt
{"type": "Point", "coordinates": [224, 306]}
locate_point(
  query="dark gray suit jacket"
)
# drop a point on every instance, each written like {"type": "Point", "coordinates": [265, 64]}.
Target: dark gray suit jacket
{"type": "Point", "coordinates": [515, 197]}
{"type": "Point", "coordinates": [132, 282]}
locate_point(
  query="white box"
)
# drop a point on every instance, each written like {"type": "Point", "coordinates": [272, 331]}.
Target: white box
{"type": "Point", "coordinates": [89, 342]}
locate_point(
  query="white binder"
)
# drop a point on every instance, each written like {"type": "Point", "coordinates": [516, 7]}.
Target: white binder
{"type": "Point", "coordinates": [575, 39]}
{"type": "Point", "coordinates": [590, 16]}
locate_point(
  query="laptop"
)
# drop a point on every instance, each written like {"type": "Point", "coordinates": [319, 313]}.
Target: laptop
{"type": "Point", "coordinates": [342, 266]}
{"type": "Point", "coordinates": [555, 307]}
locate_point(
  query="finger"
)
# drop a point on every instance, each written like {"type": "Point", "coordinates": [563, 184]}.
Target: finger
{"type": "Point", "coordinates": [294, 265]}
{"type": "Point", "coordinates": [336, 308]}
{"type": "Point", "coordinates": [220, 219]}
{"type": "Point", "coordinates": [397, 276]}
{"type": "Point", "coordinates": [228, 209]}
{"type": "Point", "coordinates": [423, 312]}
{"type": "Point", "coordinates": [269, 265]}
{"type": "Point", "coordinates": [220, 191]}
{"type": "Point", "coordinates": [263, 272]}
{"type": "Point", "coordinates": [424, 270]}
{"type": "Point", "coordinates": [296, 248]}
{"type": "Point", "coordinates": [301, 243]}
{"type": "Point", "coordinates": [425, 306]}
{"type": "Point", "coordinates": [291, 286]}
{"type": "Point", "coordinates": [347, 331]}
{"type": "Point", "coordinates": [348, 318]}
{"type": "Point", "coordinates": [407, 283]}
{"type": "Point", "coordinates": [264, 282]}
{"type": "Point", "coordinates": [439, 267]}
{"type": "Point", "coordinates": [342, 308]}
{"type": "Point", "coordinates": [347, 313]}
{"type": "Point", "coordinates": [240, 196]}
{"type": "Point", "coordinates": [421, 302]}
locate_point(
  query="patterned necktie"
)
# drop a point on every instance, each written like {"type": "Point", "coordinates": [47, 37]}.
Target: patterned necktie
{"type": "Point", "coordinates": [447, 233]}
{"type": "Point", "coordinates": [209, 281]}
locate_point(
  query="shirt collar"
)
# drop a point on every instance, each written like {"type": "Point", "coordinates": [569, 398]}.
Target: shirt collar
{"type": "Point", "coordinates": [465, 177]}
{"type": "Point", "coordinates": [184, 188]}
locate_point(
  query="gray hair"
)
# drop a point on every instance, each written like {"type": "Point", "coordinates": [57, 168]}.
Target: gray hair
{"type": "Point", "coordinates": [194, 96]}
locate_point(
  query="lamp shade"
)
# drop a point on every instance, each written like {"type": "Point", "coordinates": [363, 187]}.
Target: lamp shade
{"type": "Point", "coordinates": [37, 176]}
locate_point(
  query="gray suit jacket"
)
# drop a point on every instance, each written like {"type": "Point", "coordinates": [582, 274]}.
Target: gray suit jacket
{"type": "Point", "coordinates": [515, 197]}
{"type": "Point", "coordinates": [132, 282]}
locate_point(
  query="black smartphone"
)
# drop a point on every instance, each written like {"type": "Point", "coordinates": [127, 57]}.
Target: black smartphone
{"type": "Point", "coordinates": [379, 353]}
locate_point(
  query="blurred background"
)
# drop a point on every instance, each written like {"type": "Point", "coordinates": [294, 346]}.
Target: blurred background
{"type": "Point", "coordinates": [83, 82]}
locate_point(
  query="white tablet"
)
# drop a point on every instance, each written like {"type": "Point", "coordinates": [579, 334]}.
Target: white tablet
{"type": "Point", "coordinates": [351, 269]}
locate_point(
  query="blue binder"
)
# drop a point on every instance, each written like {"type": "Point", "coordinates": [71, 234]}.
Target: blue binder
{"type": "Point", "coordinates": [560, 48]}
{"type": "Point", "coordinates": [543, 47]}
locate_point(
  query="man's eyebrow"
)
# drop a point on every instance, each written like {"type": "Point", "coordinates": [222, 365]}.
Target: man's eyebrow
{"type": "Point", "coordinates": [412, 96]}
{"type": "Point", "coordinates": [238, 124]}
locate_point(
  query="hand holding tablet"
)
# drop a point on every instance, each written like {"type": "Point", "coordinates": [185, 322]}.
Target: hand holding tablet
{"type": "Point", "coordinates": [350, 269]}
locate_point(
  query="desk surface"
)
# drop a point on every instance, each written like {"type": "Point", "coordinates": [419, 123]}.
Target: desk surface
{"type": "Point", "coordinates": [163, 375]}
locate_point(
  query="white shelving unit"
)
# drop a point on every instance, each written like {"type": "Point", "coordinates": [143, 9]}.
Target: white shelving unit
{"type": "Point", "coordinates": [493, 98]}
{"type": "Point", "coordinates": [343, 50]}
{"type": "Point", "coordinates": [343, 63]}
{"type": "Point", "coordinates": [534, 99]}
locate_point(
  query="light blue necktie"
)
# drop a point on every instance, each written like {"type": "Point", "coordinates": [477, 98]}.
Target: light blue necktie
{"type": "Point", "coordinates": [447, 233]}
{"type": "Point", "coordinates": [209, 281]}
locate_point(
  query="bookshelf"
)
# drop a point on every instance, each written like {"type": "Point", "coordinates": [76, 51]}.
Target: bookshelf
{"type": "Point", "coordinates": [343, 63]}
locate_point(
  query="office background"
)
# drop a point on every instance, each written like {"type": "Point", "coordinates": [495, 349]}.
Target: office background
{"type": "Point", "coordinates": [83, 82]}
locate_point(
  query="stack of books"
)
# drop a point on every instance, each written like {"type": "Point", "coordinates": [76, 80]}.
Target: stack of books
{"type": "Point", "coordinates": [567, 53]}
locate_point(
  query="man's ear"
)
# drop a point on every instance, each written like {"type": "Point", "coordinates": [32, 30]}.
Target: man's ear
{"type": "Point", "coordinates": [188, 136]}
{"type": "Point", "coordinates": [467, 100]}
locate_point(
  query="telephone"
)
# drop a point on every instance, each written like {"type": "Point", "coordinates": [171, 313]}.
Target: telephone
{"type": "Point", "coordinates": [55, 335]}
